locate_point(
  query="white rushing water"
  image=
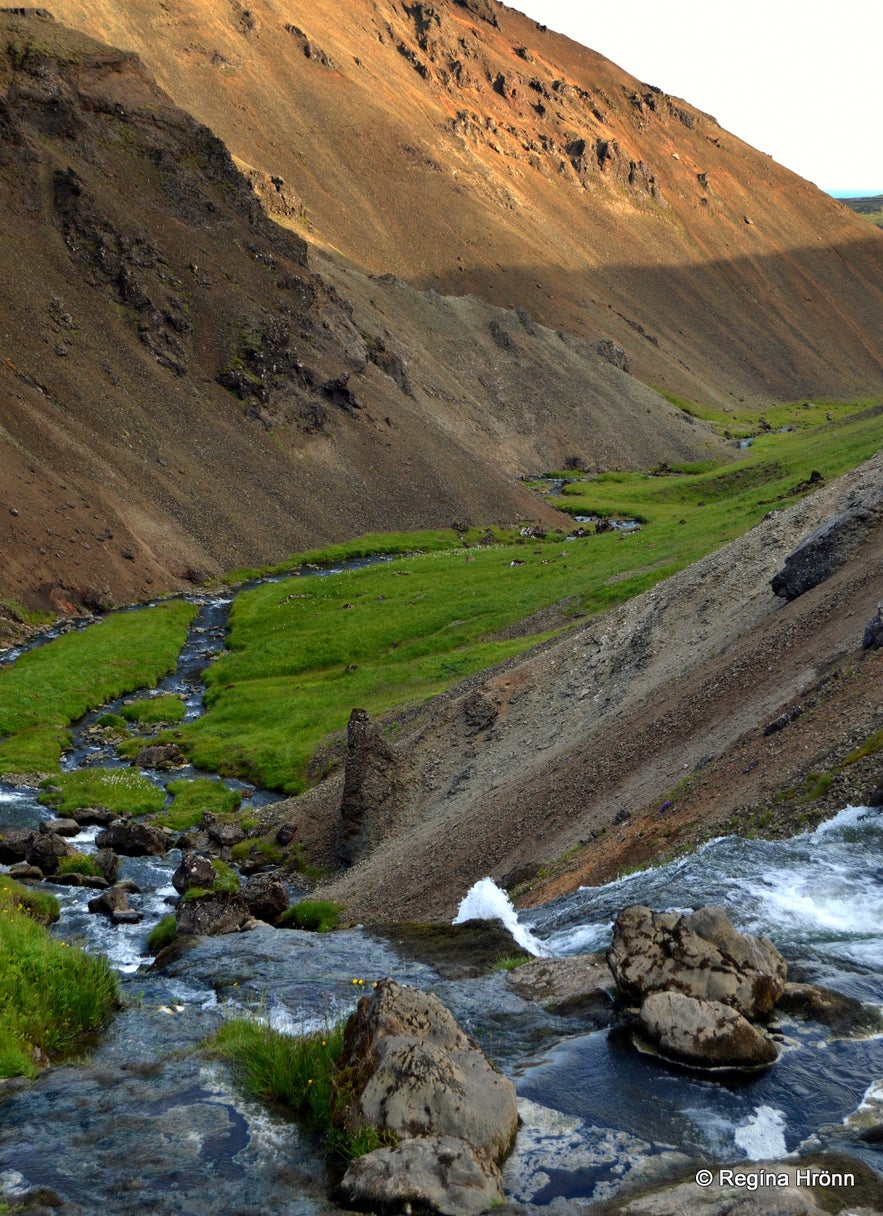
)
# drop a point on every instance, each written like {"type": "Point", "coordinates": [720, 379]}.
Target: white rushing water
{"type": "Point", "coordinates": [485, 901]}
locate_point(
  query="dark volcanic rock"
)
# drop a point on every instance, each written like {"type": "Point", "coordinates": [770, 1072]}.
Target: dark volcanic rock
{"type": "Point", "coordinates": [873, 638]}
{"type": "Point", "coordinates": [110, 902]}
{"type": "Point", "coordinates": [160, 755]}
{"type": "Point", "coordinates": [45, 849]}
{"type": "Point", "coordinates": [373, 777]}
{"type": "Point", "coordinates": [134, 839]}
{"type": "Point", "coordinates": [219, 912]}
{"type": "Point", "coordinates": [823, 552]}
{"type": "Point", "coordinates": [463, 951]}
{"type": "Point", "coordinates": [108, 863]}
{"type": "Point", "coordinates": [842, 1014]}
{"type": "Point", "coordinates": [14, 845]}
{"type": "Point", "coordinates": [266, 897]}
{"type": "Point", "coordinates": [195, 870]}
{"type": "Point", "coordinates": [61, 827]}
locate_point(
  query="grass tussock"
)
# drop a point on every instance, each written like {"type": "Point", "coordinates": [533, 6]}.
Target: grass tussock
{"type": "Point", "coordinates": [53, 992]}
{"type": "Point", "coordinates": [314, 915]}
{"type": "Point", "coordinates": [162, 934]}
{"type": "Point", "coordinates": [300, 1073]}
{"type": "Point", "coordinates": [192, 799]}
{"type": "Point", "coordinates": [154, 711]}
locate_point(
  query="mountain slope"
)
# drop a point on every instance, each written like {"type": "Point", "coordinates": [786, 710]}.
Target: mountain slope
{"type": "Point", "coordinates": [459, 145]}
{"type": "Point", "coordinates": [180, 393]}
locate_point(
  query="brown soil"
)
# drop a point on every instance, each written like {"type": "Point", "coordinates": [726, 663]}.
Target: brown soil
{"type": "Point", "coordinates": [638, 734]}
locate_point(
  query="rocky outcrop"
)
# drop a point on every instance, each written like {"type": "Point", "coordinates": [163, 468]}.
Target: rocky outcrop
{"type": "Point", "coordinates": [699, 955]}
{"type": "Point", "coordinates": [825, 550]}
{"type": "Point", "coordinates": [704, 1034]}
{"type": "Point", "coordinates": [873, 638]}
{"type": "Point", "coordinates": [134, 839]}
{"type": "Point", "coordinates": [373, 776]}
{"type": "Point", "coordinates": [409, 1069]}
{"type": "Point", "coordinates": [432, 1174]}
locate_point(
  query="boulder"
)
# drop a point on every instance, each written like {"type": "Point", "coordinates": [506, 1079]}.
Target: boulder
{"type": "Point", "coordinates": [134, 839]}
{"type": "Point", "coordinates": [22, 872]}
{"type": "Point", "coordinates": [62, 827]}
{"type": "Point", "coordinates": [108, 863]}
{"type": "Point", "coordinates": [266, 897]}
{"type": "Point", "coordinates": [703, 1034]}
{"type": "Point", "coordinates": [195, 870]}
{"type": "Point", "coordinates": [45, 849]}
{"type": "Point", "coordinates": [109, 902]}
{"type": "Point", "coordinates": [161, 755]}
{"type": "Point", "coordinates": [580, 984]}
{"type": "Point", "coordinates": [431, 1174]}
{"type": "Point", "coordinates": [14, 845]}
{"type": "Point", "coordinates": [226, 834]}
{"type": "Point", "coordinates": [844, 1015]}
{"type": "Point", "coordinates": [209, 915]}
{"type": "Point", "coordinates": [414, 1072]}
{"type": "Point", "coordinates": [99, 815]}
{"type": "Point", "coordinates": [700, 955]}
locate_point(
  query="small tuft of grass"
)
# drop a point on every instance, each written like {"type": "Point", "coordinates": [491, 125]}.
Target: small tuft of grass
{"type": "Point", "coordinates": [79, 863]}
{"type": "Point", "coordinates": [510, 962]}
{"type": "Point", "coordinates": [154, 711]}
{"type": "Point", "coordinates": [162, 934]}
{"type": "Point", "coordinates": [314, 915]}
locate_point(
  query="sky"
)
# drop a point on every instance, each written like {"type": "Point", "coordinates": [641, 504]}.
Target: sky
{"type": "Point", "coordinates": [798, 80]}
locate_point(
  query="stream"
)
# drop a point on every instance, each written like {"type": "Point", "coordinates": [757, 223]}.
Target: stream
{"type": "Point", "coordinates": [148, 1118]}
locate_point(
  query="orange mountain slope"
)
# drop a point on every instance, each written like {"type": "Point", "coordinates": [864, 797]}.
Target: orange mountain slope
{"type": "Point", "coordinates": [459, 145]}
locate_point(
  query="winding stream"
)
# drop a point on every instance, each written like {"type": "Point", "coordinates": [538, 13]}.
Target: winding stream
{"type": "Point", "coordinates": [150, 1120]}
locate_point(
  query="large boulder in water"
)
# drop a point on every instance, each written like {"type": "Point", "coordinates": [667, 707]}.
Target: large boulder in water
{"type": "Point", "coordinates": [195, 870]}
{"type": "Point", "coordinates": [703, 1034]}
{"type": "Point", "coordinates": [415, 1073]}
{"type": "Point", "coordinates": [700, 955]}
{"type": "Point", "coordinates": [134, 839]}
{"type": "Point", "coordinates": [266, 897]}
{"type": "Point", "coordinates": [431, 1174]}
{"type": "Point", "coordinates": [208, 915]}
{"type": "Point", "coordinates": [45, 850]}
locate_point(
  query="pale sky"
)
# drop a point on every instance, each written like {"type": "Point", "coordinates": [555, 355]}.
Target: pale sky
{"type": "Point", "coordinates": [798, 79]}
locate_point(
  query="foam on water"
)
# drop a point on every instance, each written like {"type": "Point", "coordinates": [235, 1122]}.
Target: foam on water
{"type": "Point", "coordinates": [486, 901]}
{"type": "Point", "coordinates": [762, 1136]}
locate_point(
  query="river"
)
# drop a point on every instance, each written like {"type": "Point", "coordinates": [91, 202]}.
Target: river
{"type": "Point", "coordinates": [148, 1119]}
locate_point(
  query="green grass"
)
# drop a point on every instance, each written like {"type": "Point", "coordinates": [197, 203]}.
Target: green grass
{"type": "Point", "coordinates": [53, 993]}
{"type": "Point", "coordinates": [152, 711]}
{"type": "Point", "coordinates": [122, 790]}
{"type": "Point", "coordinates": [162, 934]}
{"type": "Point", "coordinates": [300, 1073]}
{"type": "Point", "coordinates": [315, 915]}
{"type": "Point", "coordinates": [302, 653]}
{"type": "Point", "coordinates": [79, 863]}
{"type": "Point", "coordinates": [227, 881]}
{"type": "Point", "coordinates": [510, 962]}
{"type": "Point", "coordinates": [50, 687]}
{"type": "Point", "coordinates": [191, 799]}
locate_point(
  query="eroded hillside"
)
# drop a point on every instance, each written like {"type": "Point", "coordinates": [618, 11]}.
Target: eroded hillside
{"type": "Point", "coordinates": [180, 393]}
{"type": "Point", "coordinates": [461, 146]}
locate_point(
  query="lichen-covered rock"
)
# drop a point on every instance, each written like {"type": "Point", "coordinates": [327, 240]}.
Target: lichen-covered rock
{"type": "Point", "coordinates": [432, 1173]}
{"type": "Point", "coordinates": [704, 1034]}
{"type": "Point", "coordinates": [407, 1067]}
{"type": "Point", "coordinates": [700, 955]}
{"type": "Point", "coordinates": [219, 912]}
